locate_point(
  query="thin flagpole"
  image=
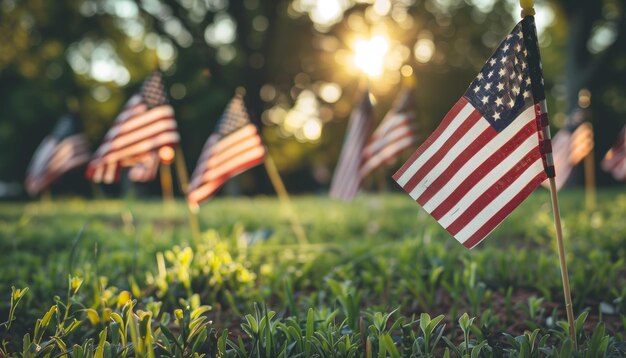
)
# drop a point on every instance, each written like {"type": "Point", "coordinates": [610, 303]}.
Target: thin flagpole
{"type": "Point", "coordinates": [536, 77]}
{"type": "Point", "coordinates": [183, 180]}
{"type": "Point", "coordinates": [283, 196]}
{"type": "Point", "coordinates": [167, 190]}
{"type": "Point", "coordinates": [564, 276]}
{"type": "Point", "coordinates": [590, 181]}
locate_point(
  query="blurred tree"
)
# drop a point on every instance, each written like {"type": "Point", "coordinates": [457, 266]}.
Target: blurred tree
{"type": "Point", "coordinates": [295, 58]}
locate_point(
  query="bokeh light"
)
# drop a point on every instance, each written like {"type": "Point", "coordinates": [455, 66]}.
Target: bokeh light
{"type": "Point", "coordinates": [369, 54]}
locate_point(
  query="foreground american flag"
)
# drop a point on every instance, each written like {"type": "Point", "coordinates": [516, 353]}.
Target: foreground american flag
{"type": "Point", "coordinates": [346, 179]}
{"type": "Point", "coordinates": [232, 149]}
{"type": "Point", "coordinates": [569, 149]}
{"type": "Point", "coordinates": [491, 150]}
{"type": "Point", "coordinates": [146, 124]}
{"type": "Point", "coordinates": [614, 161]}
{"type": "Point", "coordinates": [63, 150]}
{"type": "Point", "coordinates": [395, 133]}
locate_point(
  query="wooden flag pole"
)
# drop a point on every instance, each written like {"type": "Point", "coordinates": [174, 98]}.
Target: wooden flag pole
{"type": "Point", "coordinates": [183, 179]}
{"type": "Point", "coordinates": [590, 181]}
{"type": "Point", "coordinates": [283, 196]}
{"type": "Point", "coordinates": [562, 260]}
{"type": "Point", "coordinates": [536, 79]}
{"type": "Point", "coordinates": [167, 189]}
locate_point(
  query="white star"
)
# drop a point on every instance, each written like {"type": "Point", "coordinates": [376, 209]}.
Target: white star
{"type": "Point", "coordinates": [488, 86]}
{"type": "Point", "coordinates": [502, 72]}
{"type": "Point", "coordinates": [505, 48]}
{"type": "Point", "coordinates": [515, 90]}
{"type": "Point", "coordinates": [525, 53]}
{"type": "Point", "coordinates": [526, 94]}
{"type": "Point", "coordinates": [492, 61]}
{"type": "Point", "coordinates": [499, 101]}
{"type": "Point", "coordinates": [512, 75]}
{"type": "Point", "coordinates": [490, 74]}
{"type": "Point", "coordinates": [476, 89]}
{"type": "Point", "coordinates": [496, 116]}
{"type": "Point", "coordinates": [519, 77]}
{"type": "Point", "coordinates": [480, 76]}
{"type": "Point", "coordinates": [518, 48]}
{"type": "Point", "coordinates": [500, 86]}
{"type": "Point", "coordinates": [485, 99]}
{"type": "Point", "coordinates": [503, 60]}
{"type": "Point", "coordinates": [520, 35]}
{"type": "Point", "coordinates": [509, 36]}
{"type": "Point", "coordinates": [523, 65]}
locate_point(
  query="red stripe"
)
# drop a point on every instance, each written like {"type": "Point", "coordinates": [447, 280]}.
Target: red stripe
{"type": "Point", "coordinates": [504, 212]}
{"type": "Point", "coordinates": [494, 190]}
{"type": "Point", "coordinates": [467, 124]}
{"type": "Point", "coordinates": [232, 158]}
{"type": "Point", "coordinates": [433, 137]}
{"type": "Point", "coordinates": [478, 143]}
{"type": "Point", "coordinates": [483, 169]}
{"type": "Point", "coordinates": [152, 147]}
{"type": "Point", "coordinates": [122, 135]}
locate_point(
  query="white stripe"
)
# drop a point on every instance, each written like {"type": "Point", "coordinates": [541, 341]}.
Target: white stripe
{"type": "Point", "coordinates": [483, 154]}
{"type": "Point", "coordinates": [483, 185]}
{"type": "Point", "coordinates": [504, 198]}
{"type": "Point", "coordinates": [109, 174]}
{"type": "Point", "coordinates": [443, 138]}
{"type": "Point", "coordinates": [477, 129]}
{"type": "Point", "coordinates": [387, 139]}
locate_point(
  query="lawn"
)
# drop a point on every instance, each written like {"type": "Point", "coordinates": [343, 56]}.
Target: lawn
{"type": "Point", "coordinates": [377, 277]}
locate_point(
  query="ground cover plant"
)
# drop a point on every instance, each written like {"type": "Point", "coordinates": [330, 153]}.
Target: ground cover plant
{"type": "Point", "coordinates": [377, 278]}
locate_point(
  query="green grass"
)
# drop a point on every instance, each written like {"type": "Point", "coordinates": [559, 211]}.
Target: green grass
{"type": "Point", "coordinates": [371, 270]}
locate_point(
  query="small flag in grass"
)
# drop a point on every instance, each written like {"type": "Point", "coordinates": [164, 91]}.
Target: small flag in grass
{"type": "Point", "coordinates": [145, 125]}
{"type": "Point", "coordinates": [491, 150]}
{"type": "Point", "coordinates": [234, 148]}
{"type": "Point", "coordinates": [614, 161]}
{"type": "Point", "coordinates": [346, 179]}
{"type": "Point", "coordinates": [395, 133]}
{"type": "Point", "coordinates": [569, 148]}
{"type": "Point", "coordinates": [63, 150]}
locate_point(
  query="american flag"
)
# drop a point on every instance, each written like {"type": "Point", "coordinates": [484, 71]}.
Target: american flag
{"type": "Point", "coordinates": [235, 147]}
{"type": "Point", "coordinates": [146, 124]}
{"type": "Point", "coordinates": [491, 150]}
{"type": "Point", "coordinates": [346, 180]}
{"type": "Point", "coordinates": [614, 161]}
{"type": "Point", "coordinates": [570, 148]}
{"type": "Point", "coordinates": [63, 150]}
{"type": "Point", "coordinates": [395, 133]}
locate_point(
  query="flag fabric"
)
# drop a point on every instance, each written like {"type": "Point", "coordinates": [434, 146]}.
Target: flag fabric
{"type": "Point", "coordinates": [614, 161]}
{"type": "Point", "coordinates": [569, 149]}
{"type": "Point", "coordinates": [145, 124]}
{"type": "Point", "coordinates": [234, 148]}
{"type": "Point", "coordinates": [63, 150]}
{"type": "Point", "coordinates": [395, 133]}
{"type": "Point", "coordinates": [491, 150]}
{"type": "Point", "coordinates": [346, 179]}
{"type": "Point", "coordinates": [146, 168]}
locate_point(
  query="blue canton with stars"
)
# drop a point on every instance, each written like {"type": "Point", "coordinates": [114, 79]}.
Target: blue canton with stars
{"type": "Point", "coordinates": [502, 90]}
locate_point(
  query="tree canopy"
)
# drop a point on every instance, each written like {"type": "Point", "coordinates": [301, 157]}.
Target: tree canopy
{"type": "Point", "coordinates": [296, 60]}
